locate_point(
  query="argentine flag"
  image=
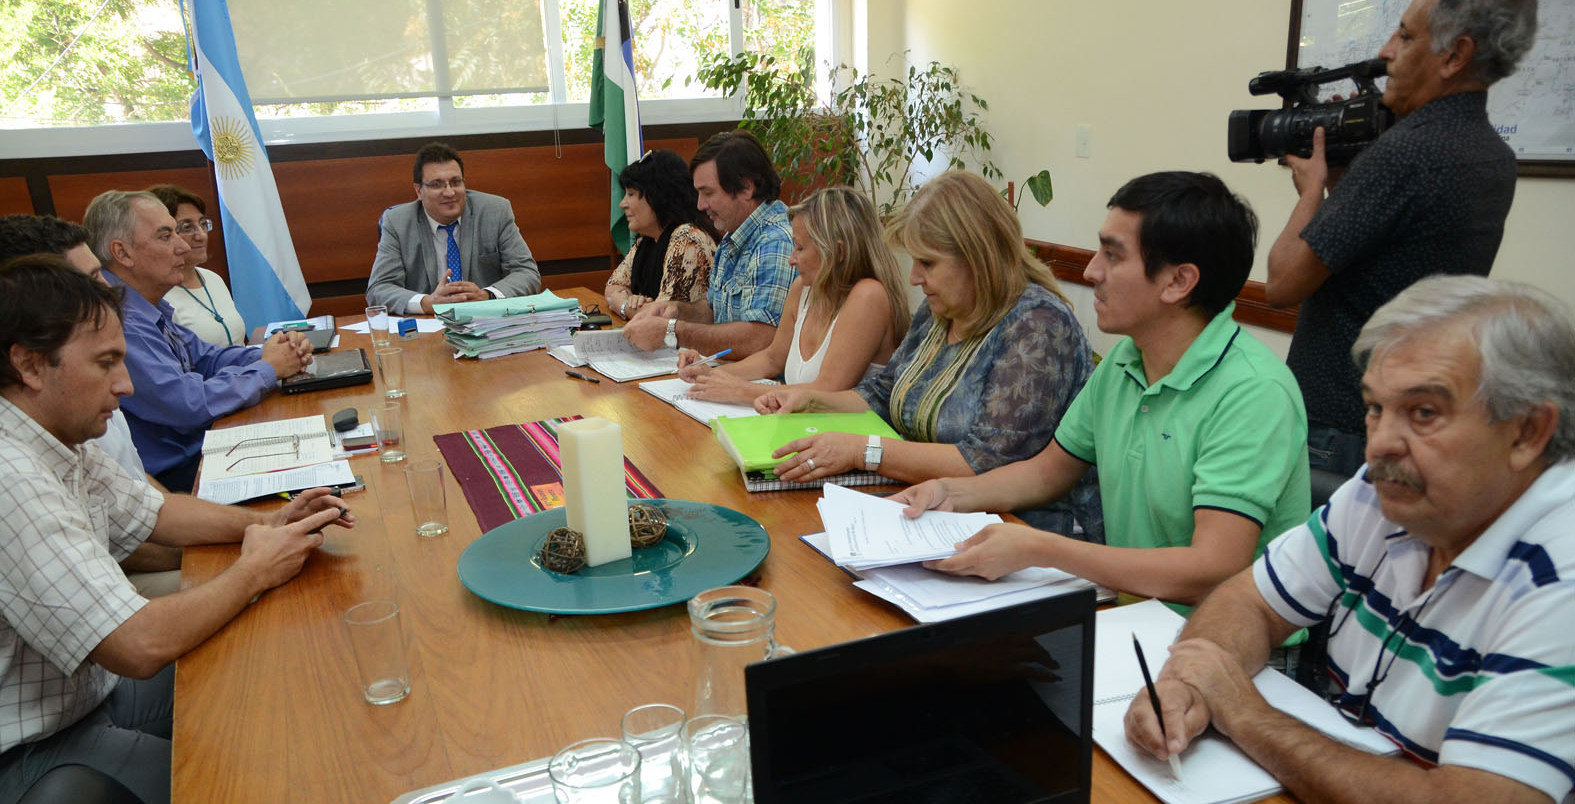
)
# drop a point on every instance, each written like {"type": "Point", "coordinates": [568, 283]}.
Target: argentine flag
{"type": "Point", "coordinates": [265, 276]}
{"type": "Point", "coordinates": [614, 108]}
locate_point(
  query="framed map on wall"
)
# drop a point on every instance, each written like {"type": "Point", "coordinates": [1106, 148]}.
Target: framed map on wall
{"type": "Point", "coordinates": [1533, 109]}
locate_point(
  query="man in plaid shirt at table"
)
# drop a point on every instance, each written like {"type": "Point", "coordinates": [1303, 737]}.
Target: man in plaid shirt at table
{"type": "Point", "coordinates": [86, 673]}
{"type": "Point", "coordinates": [738, 188]}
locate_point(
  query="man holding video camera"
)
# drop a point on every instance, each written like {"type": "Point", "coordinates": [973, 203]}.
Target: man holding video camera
{"type": "Point", "coordinates": [1427, 197]}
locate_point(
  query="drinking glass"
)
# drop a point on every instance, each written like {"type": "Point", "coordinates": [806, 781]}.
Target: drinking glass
{"type": "Point", "coordinates": [657, 732]}
{"type": "Point", "coordinates": [391, 364]}
{"type": "Point", "coordinates": [718, 748]}
{"type": "Point", "coordinates": [428, 501]}
{"type": "Point", "coordinates": [386, 421]}
{"type": "Point", "coordinates": [379, 651]}
{"type": "Point", "coordinates": [598, 771]}
{"type": "Point", "coordinates": [377, 325]}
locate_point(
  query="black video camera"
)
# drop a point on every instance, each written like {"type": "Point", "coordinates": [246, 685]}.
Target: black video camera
{"type": "Point", "coordinates": [1349, 125]}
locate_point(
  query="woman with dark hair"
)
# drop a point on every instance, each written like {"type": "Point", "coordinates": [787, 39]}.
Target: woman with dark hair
{"type": "Point", "coordinates": [671, 258]}
{"type": "Point", "coordinates": [202, 301]}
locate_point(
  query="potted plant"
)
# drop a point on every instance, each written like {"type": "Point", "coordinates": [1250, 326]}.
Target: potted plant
{"type": "Point", "coordinates": [872, 132]}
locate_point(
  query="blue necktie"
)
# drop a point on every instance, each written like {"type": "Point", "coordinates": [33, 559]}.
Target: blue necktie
{"type": "Point", "coordinates": [453, 252]}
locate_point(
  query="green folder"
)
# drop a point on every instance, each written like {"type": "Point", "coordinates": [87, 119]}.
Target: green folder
{"type": "Point", "coordinates": [465, 312]}
{"type": "Point", "coordinates": [752, 439]}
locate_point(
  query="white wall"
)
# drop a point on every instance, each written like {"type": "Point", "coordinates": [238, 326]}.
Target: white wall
{"type": "Point", "coordinates": [1155, 81]}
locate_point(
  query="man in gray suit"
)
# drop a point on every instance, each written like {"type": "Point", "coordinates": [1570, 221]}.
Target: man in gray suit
{"type": "Point", "coordinates": [452, 245]}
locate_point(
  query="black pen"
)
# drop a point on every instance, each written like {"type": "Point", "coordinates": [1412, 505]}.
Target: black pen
{"type": "Point", "coordinates": [578, 376]}
{"type": "Point", "coordinates": [1153, 699]}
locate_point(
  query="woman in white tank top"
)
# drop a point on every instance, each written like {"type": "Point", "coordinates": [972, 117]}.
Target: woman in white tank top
{"type": "Point", "coordinates": [846, 311]}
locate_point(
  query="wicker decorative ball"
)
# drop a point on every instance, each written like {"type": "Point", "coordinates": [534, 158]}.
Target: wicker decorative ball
{"type": "Point", "coordinates": [564, 551]}
{"type": "Point", "coordinates": [647, 524]}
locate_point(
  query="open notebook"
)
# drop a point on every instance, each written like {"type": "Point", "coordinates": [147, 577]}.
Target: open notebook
{"type": "Point", "coordinates": [1214, 770]}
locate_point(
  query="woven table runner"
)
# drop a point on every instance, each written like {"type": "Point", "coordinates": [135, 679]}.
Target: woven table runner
{"type": "Point", "coordinates": [514, 470]}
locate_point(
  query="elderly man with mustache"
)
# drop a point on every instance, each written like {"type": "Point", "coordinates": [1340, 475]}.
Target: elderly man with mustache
{"type": "Point", "coordinates": [1444, 569]}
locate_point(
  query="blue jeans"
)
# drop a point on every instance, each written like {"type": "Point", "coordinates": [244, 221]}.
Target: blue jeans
{"type": "Point", "coordinates": [1335, 450]}
{"type": "Point", "coordinates": [126, 738]}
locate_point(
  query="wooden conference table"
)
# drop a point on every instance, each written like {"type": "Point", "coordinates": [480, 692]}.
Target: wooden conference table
{"type": "Point", "coordinates": [269, 709]}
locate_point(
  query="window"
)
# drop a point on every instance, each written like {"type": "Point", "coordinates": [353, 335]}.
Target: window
{"type": "Point", "coordinates": [328, 70]}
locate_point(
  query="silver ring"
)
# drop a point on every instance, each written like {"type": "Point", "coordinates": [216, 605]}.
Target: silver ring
{"type": "Point", "coordinates": [810, 462]}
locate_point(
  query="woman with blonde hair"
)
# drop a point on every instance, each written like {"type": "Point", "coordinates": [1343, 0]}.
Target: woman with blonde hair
{"type": "Point", "coordinates": [990, 364]}
{"type": "Point", "coordinates": [846, 311]}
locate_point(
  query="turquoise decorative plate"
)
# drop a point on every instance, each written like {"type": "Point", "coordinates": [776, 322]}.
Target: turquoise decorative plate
{"type": "Point", "coordinates": [706, 546]}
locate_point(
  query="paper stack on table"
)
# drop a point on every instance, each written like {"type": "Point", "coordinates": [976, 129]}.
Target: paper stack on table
{"type": "Point", "coordinates": [870, 537]}
{"type": "Point", "coordinates": [868, 531]}
{"type": "Point", "coordinates": [621, 361]}
{"type": "Point", "coordinates": [498, 327]}
{"type": "Point", "coordinates": [1213, 768]}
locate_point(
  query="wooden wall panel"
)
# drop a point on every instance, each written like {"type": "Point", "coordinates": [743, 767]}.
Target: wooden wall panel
{"type": "Point", "coordinates": [14, 197]}
{"type": "Point", "coordinates": [332, 207]}
{"type": "Point", "coordinates": [73, 191]}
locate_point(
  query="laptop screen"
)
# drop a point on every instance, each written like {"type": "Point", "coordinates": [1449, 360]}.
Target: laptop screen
{"type": "Point", "coordinates": [994, 707]}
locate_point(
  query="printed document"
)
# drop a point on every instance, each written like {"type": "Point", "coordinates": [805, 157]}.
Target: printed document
{"type": "Point", "coordinates": [868, 531]}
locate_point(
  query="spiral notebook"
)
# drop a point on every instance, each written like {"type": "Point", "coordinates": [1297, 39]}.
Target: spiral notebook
{"type": "Point", "coordinates": [751, 440]}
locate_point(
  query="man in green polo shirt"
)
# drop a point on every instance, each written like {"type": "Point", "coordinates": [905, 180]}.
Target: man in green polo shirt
{"type": "Point", "coordinates": [1197, 429]}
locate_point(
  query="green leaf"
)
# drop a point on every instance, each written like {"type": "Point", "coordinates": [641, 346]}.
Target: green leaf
{"type": "Point", "coordinates": [1039, 185]}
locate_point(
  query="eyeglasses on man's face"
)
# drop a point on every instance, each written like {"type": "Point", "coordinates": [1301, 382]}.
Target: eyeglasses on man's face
{"type": "Point", "coordinates": [185, 228]}
{"type": "Point", "coordinates": [437, 185]}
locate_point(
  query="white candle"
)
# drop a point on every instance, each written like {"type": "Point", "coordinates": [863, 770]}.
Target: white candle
{"type": "Point", "coordinates": [593, 487]}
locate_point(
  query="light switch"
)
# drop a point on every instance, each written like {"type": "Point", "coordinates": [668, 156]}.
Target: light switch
{"type": "Point", "coordinates": [1084, 134]}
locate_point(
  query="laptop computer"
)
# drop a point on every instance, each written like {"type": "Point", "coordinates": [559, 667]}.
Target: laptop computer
{"type": "Point", "coordinates": [331, 370]}
{"type": "Point", "coordinates": [995, 707]}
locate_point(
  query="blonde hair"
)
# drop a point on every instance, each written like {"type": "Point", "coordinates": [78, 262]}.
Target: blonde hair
{"type": "Point", "coordinates": [959, 215]}
{"type": "Point", "coordinates": [843, 227]}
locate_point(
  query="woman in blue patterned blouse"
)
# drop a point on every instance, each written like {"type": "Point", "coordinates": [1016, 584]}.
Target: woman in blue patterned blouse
{"type": "Point", "coordinates": [992, 360]}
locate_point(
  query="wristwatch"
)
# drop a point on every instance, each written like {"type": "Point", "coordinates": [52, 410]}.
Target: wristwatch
{"type": "Point", "coordinates": [872, 454]}
{"type": "Point", "coordinates": [670, 340]}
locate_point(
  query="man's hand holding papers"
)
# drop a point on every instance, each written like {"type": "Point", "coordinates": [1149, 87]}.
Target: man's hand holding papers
{"type": "Point", "coordinates": [868, 531]}
{"type": "Point", "coordinates": [872, 538]}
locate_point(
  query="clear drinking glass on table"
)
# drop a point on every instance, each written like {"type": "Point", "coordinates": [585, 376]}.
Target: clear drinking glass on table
{"type": "Point", "coordinates": [377, 325]}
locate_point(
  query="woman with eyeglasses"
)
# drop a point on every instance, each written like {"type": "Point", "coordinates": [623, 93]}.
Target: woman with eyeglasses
{"type": "Point", "coordinates": [846, 311]}
{"type": "Point", "coordinates": [202, 301]}
{"type": "Point", "coordinates": [989, 365]}
{"type": "Point", "coordinates": [671, 258]}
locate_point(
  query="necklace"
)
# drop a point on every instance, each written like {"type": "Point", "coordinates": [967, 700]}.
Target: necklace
{"type": "Point", "coordinates": [213, 309]}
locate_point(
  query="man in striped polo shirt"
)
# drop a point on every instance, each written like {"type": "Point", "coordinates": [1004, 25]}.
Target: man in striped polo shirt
{"type": "Point", "coordinates": [1446, 569]}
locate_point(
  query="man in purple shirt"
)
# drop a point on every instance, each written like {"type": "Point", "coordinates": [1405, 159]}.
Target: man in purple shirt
{"type": "Point", "coordinates": [183, 383]}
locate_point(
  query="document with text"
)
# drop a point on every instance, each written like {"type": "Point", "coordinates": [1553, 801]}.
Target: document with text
{"type": "Point", "coordinates": [868, 531]}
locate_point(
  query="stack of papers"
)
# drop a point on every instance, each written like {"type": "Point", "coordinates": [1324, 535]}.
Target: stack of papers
{"type": "Point", "coordinates": [620, 361]}
{"type": "Point", "coordinates": [498, 327]}
{"type": "Point", "coordinates": [1213, 769]}
{"type": "Point", "coordinates": [228, 491]}
{"type": "Point", "coordinates": [867, 531]}
{"type": "Point", "coordinates": [870, 538]}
